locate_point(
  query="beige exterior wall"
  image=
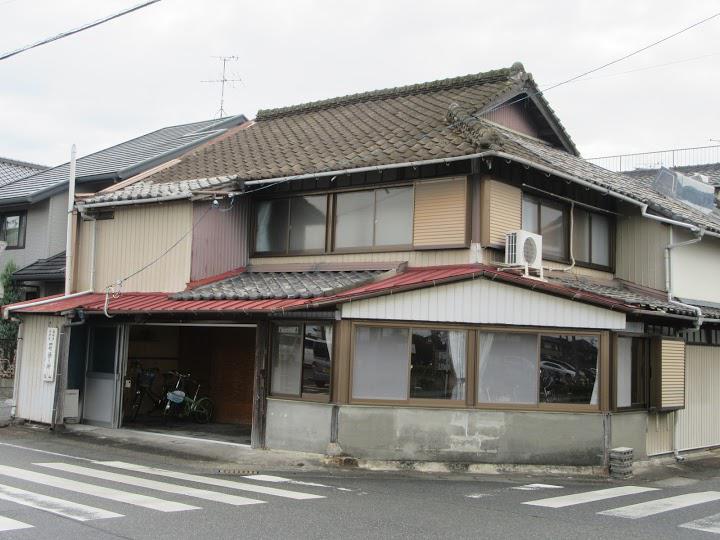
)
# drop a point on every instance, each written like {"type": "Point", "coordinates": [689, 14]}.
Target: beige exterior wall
{"type": "Point", "coordinates": [414, 258]}
{"type": "Point", "coordinates": [137, 235]}
{"type": "Point", "coordinates": [660, 432]}
{"type": "Point", "coordinates": [699, 422]}
{"type": "Point", "coordinates": [694, 268]}
{"type": "Point", "coordinates": [640, 251]}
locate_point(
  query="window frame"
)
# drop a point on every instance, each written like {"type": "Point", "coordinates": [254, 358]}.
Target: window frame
{"type": "Point", "coordinates": [569, 209]}
{"type": "Point", "coordinates": [317, 398]}
{"type": "Point", "coordinates": [472, 363]}
{"type": "Point", "coordinates": [22, 233]}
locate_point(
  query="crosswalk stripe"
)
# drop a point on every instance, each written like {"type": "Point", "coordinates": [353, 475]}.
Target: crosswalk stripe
{"type": "Point", "coordinates": [7, 524]}
{"type": "Point", "coordinates": [658, 506]}
{"type": "Point", "coordinates": [281, 480]}
{"type": "Point", "coordinates": [589, 496]}
{"type": "Point", "coordinates": [69, 509]}
{"type": "Point", "coordinates": [535, 487]}
{"type": "Point", "coordinates": [97, 491]}
{"type": "Point", "coordinates": [211, 481]}
{"type": "Point", "coordinates": [709, 524]}
{"type": "Point", "coordinates": [153, 484]}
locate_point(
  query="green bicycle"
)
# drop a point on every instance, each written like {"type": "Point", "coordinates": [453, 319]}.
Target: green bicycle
{"type": "Point", "coordinates": [180, 405]}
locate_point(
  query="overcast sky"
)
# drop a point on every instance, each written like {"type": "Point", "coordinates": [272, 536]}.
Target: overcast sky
{"type": "Point", "coordinates": [143, 71]}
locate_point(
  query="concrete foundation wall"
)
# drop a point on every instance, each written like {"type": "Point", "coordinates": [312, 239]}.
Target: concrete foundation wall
{"type": "Point", "coordinates": [6, 389]}
{"type": "Point", "coordinates": [298, 425]}
{"type": "Point", "coordinates": [629, 429]}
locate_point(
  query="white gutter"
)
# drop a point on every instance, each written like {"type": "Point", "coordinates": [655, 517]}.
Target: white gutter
{"type": "Point", "coordinates": [6, 311]}
{"type": "Point", "coordinates": [489, 153]}
{"type": "Point", "coordinates": [668, 280]}
{"type": "Point", "coordinates": [176, 197]}
{"type": "Point", "coordinates": [70, 236]}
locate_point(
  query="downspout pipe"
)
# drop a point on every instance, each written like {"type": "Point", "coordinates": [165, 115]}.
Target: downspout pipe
{"type": "Point", "coordinates": [668, 278]}
{"type": "Point", "coordinates": [70, 236]}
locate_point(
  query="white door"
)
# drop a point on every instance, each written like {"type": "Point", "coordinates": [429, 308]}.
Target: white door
{"type": "Point", "coordinates": [102, 394]}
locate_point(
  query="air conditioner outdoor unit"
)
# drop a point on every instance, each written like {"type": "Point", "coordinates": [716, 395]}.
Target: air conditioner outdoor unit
{"type": "Point", "coordinates": [524, 249]}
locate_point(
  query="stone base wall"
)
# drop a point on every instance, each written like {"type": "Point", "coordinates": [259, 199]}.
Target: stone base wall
{"type": "Point", "coordinates": [6, 389]}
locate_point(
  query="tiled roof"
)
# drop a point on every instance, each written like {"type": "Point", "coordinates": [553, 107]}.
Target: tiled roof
{"type": "Point", "coordinates": [711, 170]}
{"type": "Point", "coordinates": [12, 169]}
{"type": "Point", "coordinates": [276, 285]}
{"type": "Point", "coordinates": [150, 190]}
{"type": "Point", "coordinates": [395, 125]}
{"type": "Point", "coordinates": [120, 161]}
{"type": "Point", "coordinates": [52, 268]}
{"type": "Point", "coordinates": [622, 292]}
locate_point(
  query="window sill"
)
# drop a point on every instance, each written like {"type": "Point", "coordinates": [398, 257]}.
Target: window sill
{"type": "Point", "coordinates": [304, 399]}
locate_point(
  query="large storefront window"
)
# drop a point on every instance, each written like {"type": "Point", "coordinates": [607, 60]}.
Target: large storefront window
{"type": "Point", "coordinates": [301, 360]}
{"type": "Point", "coordinates": [409, 363]}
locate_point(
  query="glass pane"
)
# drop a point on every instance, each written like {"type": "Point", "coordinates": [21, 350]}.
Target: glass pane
{"type": "Point", "coordinates": [102, 356]}
{"type": "Point", "coordinates": [581, 235]}
{"type": "Point", "coordinates": [640, 363]}
{"type": "Point", "coordinates": [530, 217]}
{"type": "Point", "coordinates": [507, 368]}
{"type": "Point", "coordinates": [271, 226]}
{"type": "Point", "coordinates": [394, 217]}
{"type": "Point", "coordinates": [600, 240]}
{"type": "Point", "coordinates": [623, 395]}
{"type": "Point", "coordinates": [568, 369]}
{"type": "Point", "coordinates": [12, 230]}
{"type": "Point", "coordinates": [307, 223]}
{"type": "Point", "coordinates": [317, 359]}
{"type": "Point", "coordinates": [437, 363]}
{"type": "Point", "coordinates": [286, 360]}
{"type": "Point", "coordinates": [380, 366]}
{"type": "Point", "coordinates": [552, 228]}
{"type": "Point", "coordinates": [354, 215]}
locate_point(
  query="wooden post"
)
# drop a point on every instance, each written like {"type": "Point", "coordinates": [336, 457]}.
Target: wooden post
{"type": "Point", "coordinates": [257, 436]}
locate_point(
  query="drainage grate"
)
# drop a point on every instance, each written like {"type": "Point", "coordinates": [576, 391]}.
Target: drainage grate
{"type": "Point", "coordinates": [236, 472]}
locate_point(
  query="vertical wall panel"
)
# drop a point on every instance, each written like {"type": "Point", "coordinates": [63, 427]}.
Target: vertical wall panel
{"type": "Point", "coordinates": [220, 239]}
{"type": "Point", "coordinates": [659, 436]}
{"type": "Point", "coordinates": [34, 396]}
{"type": "Point", "coordinates": [441, 213]}
{"type": "Point", "coordinates": [640, 250]}
{"type": "Point", "coordinates": [699, 422]}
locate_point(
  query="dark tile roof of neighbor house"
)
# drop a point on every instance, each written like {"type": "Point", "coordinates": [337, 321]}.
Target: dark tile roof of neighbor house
{"type": "Point", "coordinates": [12, 169]}
{"type": "Point", "coordinates": [50, 269]}
{"type": "Point", "coordinates": [121, 161]}
{"type": "Point", "coordinates": [711, 170]}
{"type": "Point", "coordinates": [437, 120]}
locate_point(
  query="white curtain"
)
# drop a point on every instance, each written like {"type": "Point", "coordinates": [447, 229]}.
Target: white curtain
{"type": "Point", "coordinates": [484, 347]}
{"type": "Point", "coordinates": [329, 341]}
{"type": "Point", "coordinates": [458, 356]}
{"type": "Point", "coordinates": [262, 242]}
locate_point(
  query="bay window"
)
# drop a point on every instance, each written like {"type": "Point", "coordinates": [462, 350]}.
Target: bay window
{"type": "Point", "coordinates": [301, 360]}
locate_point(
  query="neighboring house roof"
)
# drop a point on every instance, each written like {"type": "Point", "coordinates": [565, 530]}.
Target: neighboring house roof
{"type": "Point", "coordinates": [143, 190]}
{"type": "Point", "coordinates": [119, 162]}
{"type": "Point", "coordinates": [391, 126]}
{"type": "Point", "coordinates": [12, 169]}
{"type": "Point", "coordinates": [711, 170]}
{"type": "Point", "coordinates": [50, 269]}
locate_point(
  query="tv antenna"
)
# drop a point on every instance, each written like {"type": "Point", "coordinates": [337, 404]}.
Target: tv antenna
{"type": "Point", "coordinates": [224, 80]}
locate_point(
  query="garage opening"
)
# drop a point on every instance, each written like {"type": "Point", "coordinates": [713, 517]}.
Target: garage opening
{"type": "Point", "coordinates": [208, 370]}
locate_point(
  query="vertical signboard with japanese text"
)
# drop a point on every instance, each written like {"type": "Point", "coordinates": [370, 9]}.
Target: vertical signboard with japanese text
{"type": "Point", "coordinates": [50, 354]}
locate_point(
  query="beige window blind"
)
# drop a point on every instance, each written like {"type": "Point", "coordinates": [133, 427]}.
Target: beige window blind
{"type": "Point", "coordinates": [441, 213]}
{"type": "Point", "coordinates": [668, 374]}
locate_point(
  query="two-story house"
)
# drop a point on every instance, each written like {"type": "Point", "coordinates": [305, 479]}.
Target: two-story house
{"type": "Point", "coordinates": [429, 272]}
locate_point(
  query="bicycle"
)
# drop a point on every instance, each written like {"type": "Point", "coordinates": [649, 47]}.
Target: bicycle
{"type": "Point", "coordinates": [180, 405]}
{"type": "Point", "coordinates": [144, 380]}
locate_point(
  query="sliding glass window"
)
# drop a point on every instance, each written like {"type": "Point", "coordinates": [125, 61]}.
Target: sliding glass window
{"type": "Point", "coordinates": [301, 360]}
{"type": "Point", "coordinates": [293, 225]}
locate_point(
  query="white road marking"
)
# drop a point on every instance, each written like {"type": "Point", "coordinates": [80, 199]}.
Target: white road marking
{"type": "Point", "coordinates": [210, 481]}
{"type": "Point", "coordinates": [61, 507]}
{"type": "Point", "coordinates": [97, 491]}
{"type": "Point", "coordinates": [535, 487]}
{"type": "Point", "coordinates": [658, 506]}
{"type": "Point", "coordinates": [477, 495]}
{"type": "Point", "coordinates": [152, 484]}
{"type": "Point", "coordinates": [19, 447]}
{"type": "Point", "coordinates": [709, 524]}
{"type": "Point", "coordinates": [589, 496]}
{"type": "Point", "coordinates": [281, 480]}
{"type": "Point", "coordinates": [7, 524]}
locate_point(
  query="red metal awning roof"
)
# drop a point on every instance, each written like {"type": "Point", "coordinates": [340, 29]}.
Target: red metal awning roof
{"type": "Point", "coordinates": [412, 278]}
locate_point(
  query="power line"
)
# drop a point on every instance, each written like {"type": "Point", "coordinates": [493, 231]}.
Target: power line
{"type": "Point", "coordinates": [76, 30]}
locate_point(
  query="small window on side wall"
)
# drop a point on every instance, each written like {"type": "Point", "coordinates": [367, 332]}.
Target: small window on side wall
{"type": "Point", "coordinates": [592, 237]}
{"type": "Point", "coordinates": [549, 219]}
{"type": "Point", "coordinates": [12, 229]}
{"type": "Point", "coordinates": [301, 360]}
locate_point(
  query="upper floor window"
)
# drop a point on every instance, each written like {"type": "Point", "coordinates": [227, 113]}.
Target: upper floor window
{"type": "Point", "coordinates": [591, 231]}
{"type": "Point", "coordinates": [377, 218]}
{"type": "Point", "coordinates": [12, 229]}
{"type": "Point", "coordinates": [296, 224]}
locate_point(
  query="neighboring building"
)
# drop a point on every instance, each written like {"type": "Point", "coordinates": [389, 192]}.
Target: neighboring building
{"type": "Point", "coordinates": [334, 273]}
{"type": "Point", "coordinates": [33, 199]}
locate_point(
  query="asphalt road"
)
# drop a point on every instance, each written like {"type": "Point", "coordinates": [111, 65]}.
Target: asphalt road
{"type": "Point", "coordinates": [69, 489]}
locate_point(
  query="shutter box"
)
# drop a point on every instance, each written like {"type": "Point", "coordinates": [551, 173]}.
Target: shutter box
{"type": "Point", "coordinates": [667, 374]}
{"type": "Point", "coordinates": [441, 214]}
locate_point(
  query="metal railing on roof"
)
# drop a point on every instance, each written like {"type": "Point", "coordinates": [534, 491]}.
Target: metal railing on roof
{"type": "Point", "coordinates": [676, 157]}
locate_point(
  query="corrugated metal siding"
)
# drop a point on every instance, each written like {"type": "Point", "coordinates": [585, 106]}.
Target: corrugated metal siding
{"type": "Point", "coordinates": [640, 251]}
{"type": "Point", "coordinates": [501, 211]}
{"type": "Point", "coordinates": [219, 241]}
{"type": "Point", "coordinates": [672, 390]}
{"type": "Point", "coordinates": [441, 213]}
{"type": "Point", "coordinates": [660, 429]}
{"type": "Point", "coordinates": [136, 236]}
{"type": "Point", "coordinates": [485, 302]}
{"type": "Point", "coordinates": [699, 422]}
{"type": "Point", "coordinates": [35, 396]}
{"type": "Point", "coordinates": [414, 258]}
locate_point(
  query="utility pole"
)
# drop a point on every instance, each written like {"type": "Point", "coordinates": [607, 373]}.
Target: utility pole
{"type": "Point", "coordinates": [224, 80]}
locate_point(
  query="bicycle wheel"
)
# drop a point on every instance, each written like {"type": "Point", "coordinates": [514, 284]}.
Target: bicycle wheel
{"type": "Point", "coordinates": [201, 411]}
{"type": "Point", "coordinates": [135, 407]}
